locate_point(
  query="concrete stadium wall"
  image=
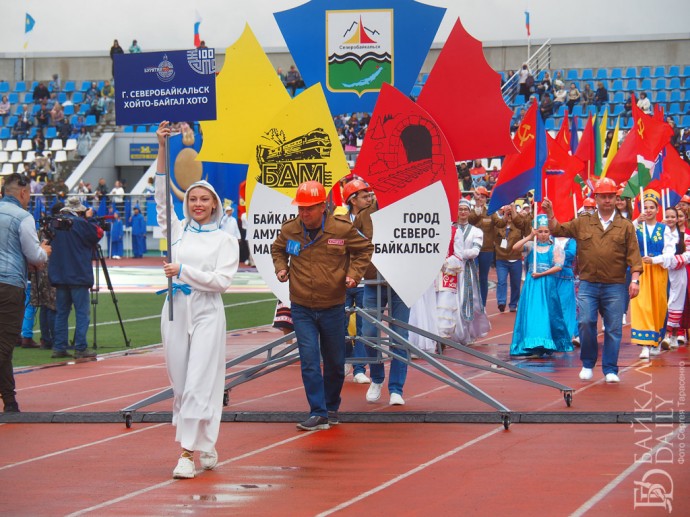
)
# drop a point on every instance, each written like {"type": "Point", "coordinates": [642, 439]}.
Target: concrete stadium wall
{"type": "Point", "coordinates": [508, 57]}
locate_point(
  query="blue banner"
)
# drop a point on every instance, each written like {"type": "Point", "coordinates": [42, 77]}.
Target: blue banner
{"type": "Point", "coordinates": [177, 86]}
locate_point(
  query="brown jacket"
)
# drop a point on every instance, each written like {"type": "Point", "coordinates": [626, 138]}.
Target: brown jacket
{"type": "Point", "coordinates": [317, 274]}
{"type": "Point", "coordinates": [603, 256]}
{"type": "Point", "coordinates": [517, 228]}
{"type": "Point", "coordinates": [486, 224]}
{"type": "Point", "coordinates": [364, 224]}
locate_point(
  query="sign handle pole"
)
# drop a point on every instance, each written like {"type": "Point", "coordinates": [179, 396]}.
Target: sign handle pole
{"type": "Point", "coordinates": [168, 222]}
{"type": "Point", "coordinates": [534, 223]}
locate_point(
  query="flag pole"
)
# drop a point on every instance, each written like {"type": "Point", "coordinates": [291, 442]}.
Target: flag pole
{"type": "Point", "coordinates": [644, 223]}
{"type": "Point", "coordinates": [574, 206]}
{"type": "Point", "coordinates": [534, 224]}
{"type": "Point", "coordinates": [168, 222]}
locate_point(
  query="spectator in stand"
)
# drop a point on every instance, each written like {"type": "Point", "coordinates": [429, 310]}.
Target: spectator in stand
{"type": "Point", "coordinates": [477, 170]}
{"type": "Point", "coordinates": [293, 80]}
{"type": "Point", "coordinates": [574, 97]}
{"type": "Point", "coordinates": [559, 98]}
{"type": "Point", "coordinates": [57, 114]}
{"type": "Point", "coordinates": [601, 96]}
{"type": "Point", "coordinates": [546, 106]}
{"type": "Point", "coordinates": [558, 81]}
{"type": "Point", "coordinates": [517, 118]}
{"type": "Point", "coordinates": [675, 137]}
{"type": "Point", "coordinates": [483, 181]}
{"type": "Point", "coordinates": [545, 85]}
{"type": "Point", "coordinates": [21, 129]}
{"type": "Point", "coordinates": [64, 130]}
{"type": "Point", "coordinates": [55, 86]}
{"type": "Point", "coordinates": [644, 104]}
{"type": "Point", "coordinates": [77, 125]}
{"type": "Point", "coordinates": [464, 177]}
{"type": "Point", "coordinates": [134, 48]}
{"type": "Point", "coordinates": [43, 116]}
{"type": "Point", "coordinates": [115, 49]}
{"type": "Point", "coordinates": [685, 145]}
{"type": "Point", "coordinates": [587, 95]}
{"type": "Point", "coordinates": [117, 197]}
{"type": "Point", "coordinates": [39, 141]}
{"type": "Point", "coordinates": [5, 108]}
{"type": "Point", "coordinates": [92, 93]}
{"type": "Point", "coordinates": [41, 93]}
{"type": "Point", "coordinates": [627, 107]}
{"type": "Point", "coordinates": [281, 76]}
{"type": "Point", "coordinates": [523, 83]}
{"type": "Point", "coordinates": [108, 95]}
{"type": "Point", "coordinates": [83, 142]}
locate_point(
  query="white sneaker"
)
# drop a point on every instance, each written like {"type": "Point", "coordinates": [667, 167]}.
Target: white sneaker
{"type": "Point", "coordinates": [654, 350]}
{"type": "Point", "coordinates": [665, 343]}
{"type": "Point", "coordinates": [396, 400]}
{"type": "Point", "coordinates": [576, 341]}
{"type": "Point", "coordinates": [644, 354]}
{"type": "Point", "coordinates": [674, 343]}
{"type": "Point", "coordinates": [361, 378]}
{"type": "Point", "coordinates": [348, 369]}
{"type": "Point", "coordinates": [374, 392]}
{"type": "Point", "coordinates": [586, 374]}
{"type": "Point", "coordinates": [681, 340]}
{"type": "Point", "coordinates": [612, 377]}
{"type": "Point", "coordinates": [625, 319]}
{"type": "Point", "coordinates": [209, 459]}
{"type": "Point", "coordinates": [184, 469]}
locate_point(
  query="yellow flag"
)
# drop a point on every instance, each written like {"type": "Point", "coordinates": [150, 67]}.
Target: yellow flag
{"type": "Point", "coordinates": [613, 149]}
{"type": "Point", "coordinates": [602, 135]}
{"type": "Point", "coordinates": [299, 144]}
{"type": "Point", "coordinates": [248, 94]}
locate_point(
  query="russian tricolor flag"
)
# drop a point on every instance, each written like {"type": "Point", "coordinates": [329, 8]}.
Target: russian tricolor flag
{"type": "Point", "coordinates": [527, 23]}
{"type": "Point", "coordinates": [197, 23]}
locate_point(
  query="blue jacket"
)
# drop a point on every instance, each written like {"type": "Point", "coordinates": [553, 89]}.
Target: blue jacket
{"type": "Point", "coordinates": [18, 242]}
{"type": "Point", "coordinates": [73, 250]}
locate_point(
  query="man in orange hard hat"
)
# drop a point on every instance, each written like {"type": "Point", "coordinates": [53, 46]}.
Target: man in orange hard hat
{"type": "Point", "coordinates": [606, 246]}
{"type": "Point", "coordinates": [322, 256]}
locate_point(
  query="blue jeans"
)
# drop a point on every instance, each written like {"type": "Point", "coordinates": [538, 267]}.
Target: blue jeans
{"type": "Point", "coordinates": [399, 311]}
{"type": "Point", "coordinates": [65, 298]}
{"type": "Point", "coordinates": [504, 269]}
{"type": "Point", "coordinates": [321, 333]}
{"type": "Point", "coordinates": [354, 296]}
{"type": "Point", "coordinates": [484, 261]}
{"type": "Point", "coordinates": [46, 319]}
{"type": "Point", "coordinates": [609, 299]}
{"type": "Point", "coordinates": [29, 315]}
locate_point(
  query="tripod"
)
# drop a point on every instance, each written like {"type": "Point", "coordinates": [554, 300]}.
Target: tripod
{"type": "Point", "coordinates": [99, 260]}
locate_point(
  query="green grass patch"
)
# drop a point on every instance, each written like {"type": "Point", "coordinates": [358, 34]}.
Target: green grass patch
{"type": "Point", "coordinates": [141, 315]}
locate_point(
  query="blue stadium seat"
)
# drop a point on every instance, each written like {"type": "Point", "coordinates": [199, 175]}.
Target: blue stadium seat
{"type": "Point", "coordinates": [631, 84]}
{"type": "Point", "coordinates": [51, 132]}
{"type": "Point", "coordinates": [587, 74]}
{"type": "Point", "coordinates": [416, 90]}
{"type": "Point", "coordinates": [540, 76]}
{"type": "Point", "coordinates": [62, 97]}
{"type": "Point", "coordinates": [90, 120]}
{"type": "Point", "coordinates": [627, 124]}
{"type": "Point", "coordinates": [13, 98]}
{"type": "Point", "coordinates": [33, 85]}
{"type": "Point", "coordinates": [101, 83]}
{"type": "Point", "coordinates": [519, 100]}
{"type": "Point", "coordinates": [85, 85]}
{"type": "Point", "coordinates": [685, 121]}
{"type": "Point", "coordinates": [592, 110]}
{"type": "Point", "coordinates": [12, 120]}
{"type": "Point", "coordinates": [424, 77]}
{"type": "Point", "coordinates": [646, 85]}
{"type": "Point", "coordinates": [659, 84]}
{"type": "Point", "coordinates": [674, 109]}
{"type": "Point", "coordinates": [616, 73]}
{"type": "Point", "coordinates": [673, 71]}
{"type": "Point", "coordinates": [578, 111]}
{"type": "Point", "coordinates": [69, 110]}
{"type": "Point", "coordinates": [602, 74]}
{"type": "Point", "coordinates": [615, 110]}
{"type": "Point", "coordinates": [686, 71]}
{"type": "Point", "coordinates": [686, 96]}
{"type": "Point", "coordinates": [142, 129]}
{"type": "Point", "coordinates": [686, 84]}
{"type": "Point", "coordinates": [645, 72]}
{"type": "Point", "coordinates": [581, 123]}
{"type": "Point", "coordinates": [5, 133]}
{"type": "Point", "coordinates": [674, 83]}
{"type": "Point", "coordinates": [631, 72]}
{"type": "Point", "coordinates": [659, 71]}
{"type": "Point", "coordinates": [660, 97]}
{"type": "Point", "coordinates": [128, 129]}
{"type": "Point", "coordinates": [68, 87]}
{"type": "Point", "coordinates": [561, 112]}
{"type": "Point", "coordinates": [4, 87]}
{"type": "Point", "coordinates": [549, 124]}
{"type": "Point", "coordinates": [28, 98]}
{"type": "Point", "coordinates": [675, 96]}
{"type": "Point", "coordinates": [618, 98]}
{"type": "Point", "coordinates": [617, 85]}
{"type": "Point", "coordinates": [20, 87]}
{"type": "Point", "coordinates": [35, 108]}
{"type": "Point", "coordinates": [83, 109]}
{"type": "Point", "coordinates": [572, 75]}
{"type": "Point", "coordinates": [77, 98]}
{"type": "Point", "coordinates": [33, 131]}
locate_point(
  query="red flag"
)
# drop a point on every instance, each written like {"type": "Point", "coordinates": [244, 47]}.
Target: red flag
{"type": "Point", "coordinates": [675, 172]}
{"type": "Point", "coordinates": [586, 149]}
{"type": "Point", "coordinates": [563, 136]}
{"type": "Point", "coordinates": [559, 179]}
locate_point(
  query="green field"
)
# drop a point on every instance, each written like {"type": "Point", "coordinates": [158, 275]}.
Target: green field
{"type": "Point", "coordinates": [141, 318]}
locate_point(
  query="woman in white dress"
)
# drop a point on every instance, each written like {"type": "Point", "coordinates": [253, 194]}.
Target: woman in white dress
{"type": "Point", "coordinates": [203, 261]}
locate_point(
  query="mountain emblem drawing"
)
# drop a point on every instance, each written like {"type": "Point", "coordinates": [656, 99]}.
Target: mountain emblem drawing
{"type": "Point", "coordinates": [360, 50]}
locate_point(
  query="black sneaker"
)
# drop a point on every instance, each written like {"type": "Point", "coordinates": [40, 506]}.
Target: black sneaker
{"type": "Point", "coordinates": [59, 354]}
{"type": "Point", "coordinates": [333, 418]}
{"type": "Point", "coordinates": [12, 407]}
{"type": "Point", "coordinates": [502, 307]}
{"type": "Point", "coordinates": [85, 354]}
{"type": "Point", "coordinates": [314, 423]}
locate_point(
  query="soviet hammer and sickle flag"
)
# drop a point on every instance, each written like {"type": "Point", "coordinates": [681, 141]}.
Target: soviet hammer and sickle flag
{"type": "Point", "coordinates": [522, 171]}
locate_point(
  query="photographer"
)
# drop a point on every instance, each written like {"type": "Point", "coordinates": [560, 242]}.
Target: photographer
{"type": "Point", "coordinates": [70, 272]}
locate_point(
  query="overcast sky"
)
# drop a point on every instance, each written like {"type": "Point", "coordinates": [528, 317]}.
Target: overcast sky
{"type": "Point", "coordinates": [82, 26]}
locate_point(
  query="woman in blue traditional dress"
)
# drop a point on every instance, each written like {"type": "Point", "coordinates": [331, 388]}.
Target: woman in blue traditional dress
{"type": "Point", "coordinates": [565, 284]}
{"type": "Point", "coordinates": [539, 325]}
{"type": "Point", "coordinates": [117, 232]}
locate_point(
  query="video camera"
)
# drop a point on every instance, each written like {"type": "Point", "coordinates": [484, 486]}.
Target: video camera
{"type": "Point", "coordinates": [50, 224]}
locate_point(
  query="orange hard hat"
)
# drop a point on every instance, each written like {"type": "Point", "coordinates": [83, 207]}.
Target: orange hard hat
{"type": "Point", "coordinates": [605, 186]}
{"type": "Point", "coordinates": [309, 193]}
{"type": "Point", "coordinates": [353, 187]}
{"type": "Point", "coordinates": [685, 199]}
{"type": "Point", "coordinates": [589, 203]}
{"type": "Point", "coordinates": [482, 191]}
{"type": "Point", "coordinates": [620, 192]}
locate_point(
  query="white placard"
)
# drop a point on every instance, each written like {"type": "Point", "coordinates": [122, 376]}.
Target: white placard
{"type": "Point", "coordinates": [267, 212]}
{"type": "Point", "coordinates": [411, 239]}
